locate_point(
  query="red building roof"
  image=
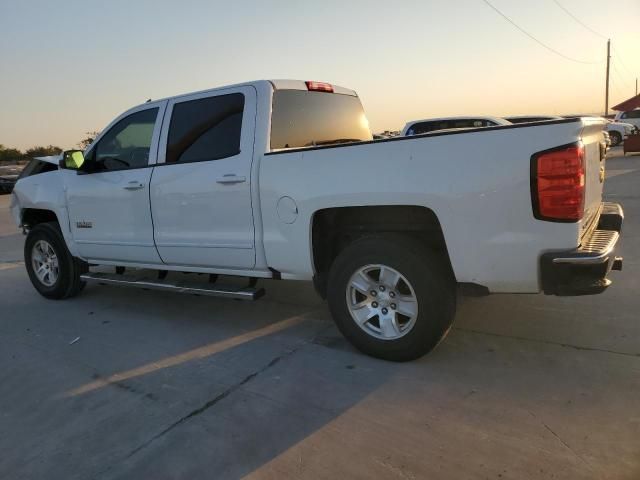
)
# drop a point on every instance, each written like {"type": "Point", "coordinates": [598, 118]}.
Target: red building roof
{"type": "Point", "coordinates": [630, 104]}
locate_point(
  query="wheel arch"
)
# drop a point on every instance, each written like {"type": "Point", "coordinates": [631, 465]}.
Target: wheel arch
{"type": "Point", "coordinates": [30, 217]}
{"type": "Point", "coordinates": [333, 229]}
{"type": "Point", "coordinates": [618, 136]}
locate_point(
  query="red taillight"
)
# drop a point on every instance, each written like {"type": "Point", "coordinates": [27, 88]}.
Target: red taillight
{"type": "Point", "coordinates": [558, 178]}
{"type": "Point", "coordinates": [319, 87]}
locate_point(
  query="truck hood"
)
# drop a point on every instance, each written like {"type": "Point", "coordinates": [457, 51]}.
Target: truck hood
{"type": "Point", "coordinates": [55, 159]}
{"type": "Point", "coordinates": [620, 127]}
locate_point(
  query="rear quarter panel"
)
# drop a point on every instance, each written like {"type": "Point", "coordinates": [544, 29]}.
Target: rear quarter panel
{"type": "Point", "coordinates": [477, 183]}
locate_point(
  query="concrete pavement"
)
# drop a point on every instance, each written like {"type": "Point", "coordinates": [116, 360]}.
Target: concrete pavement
{"type": "Point", "coordinates": [168, 386]}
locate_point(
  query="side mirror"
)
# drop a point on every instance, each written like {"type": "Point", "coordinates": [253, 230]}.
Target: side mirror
{"type": "Point", "coordinates": [72, 159]}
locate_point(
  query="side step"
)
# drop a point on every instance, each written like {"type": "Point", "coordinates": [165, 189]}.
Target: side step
{"type": "Point", "coordinates": [147, 281]}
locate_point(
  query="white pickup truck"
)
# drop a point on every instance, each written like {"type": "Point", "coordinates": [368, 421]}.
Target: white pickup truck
{"type": "Point", "coordinates": [282, 180]}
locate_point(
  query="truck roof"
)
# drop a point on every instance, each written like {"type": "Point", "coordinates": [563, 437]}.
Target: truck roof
{"type": "Point", "coordinates": [277, 84]}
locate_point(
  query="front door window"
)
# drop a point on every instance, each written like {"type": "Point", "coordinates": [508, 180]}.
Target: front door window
{"type": "Point", "coordinates": [126, 145]}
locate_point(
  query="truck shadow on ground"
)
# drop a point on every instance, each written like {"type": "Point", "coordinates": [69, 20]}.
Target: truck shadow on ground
{"type": "Point", "coordinates": [169, 386]}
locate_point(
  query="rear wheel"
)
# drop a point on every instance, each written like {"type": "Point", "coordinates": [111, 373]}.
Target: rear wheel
{"type": "Point", "coordinates": [616, 138]}
{"type": "Point", "coordinates": [391, 297]}
{"type": "Point", "coordinates": [53, 271]}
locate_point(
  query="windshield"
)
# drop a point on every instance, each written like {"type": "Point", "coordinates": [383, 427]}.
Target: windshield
{"type": "Point", "coordinates": [306, 119]}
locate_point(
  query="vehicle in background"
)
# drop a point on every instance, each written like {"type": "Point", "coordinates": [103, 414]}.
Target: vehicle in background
{"type": "Point", "coordinates": [386, 134]}
{"type": "Point", "coordinates": [427, 125]}
{"type": "Point", "coordinates": [531, 118]}
{"type": "Point", "coordinates": [8, 177]}
{"type": "Point", "coordinates": [619, 131]}
{"type": "Point", "coordinates": [380, 136]}
{"type": "Point", "coordinates": [616, 132]}
{"type": "Point", "coordinates": [631, 116]}
{"type": "Point", "coordinates": [281, 180]}
{"type": "Point", "coordinates": [607, 139]}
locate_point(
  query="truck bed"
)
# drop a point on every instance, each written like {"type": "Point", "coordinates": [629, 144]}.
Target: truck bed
{"type": "Point", "coordinates": [476, 181]}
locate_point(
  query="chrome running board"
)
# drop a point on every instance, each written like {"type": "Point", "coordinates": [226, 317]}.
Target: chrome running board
{"type": "Point", "coordinates": [146, 281]}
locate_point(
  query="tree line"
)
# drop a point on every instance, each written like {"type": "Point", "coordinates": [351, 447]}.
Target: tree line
{"type": "Point", "coordinates": [9, 154]}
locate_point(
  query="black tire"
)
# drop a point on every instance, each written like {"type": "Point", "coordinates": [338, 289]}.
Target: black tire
{"type": "Point", "coordinates": [429, 275]}
{"type": "Point", "coordinates": [68, 283]}
{"type": "Point", "coordinates": [616, 138]}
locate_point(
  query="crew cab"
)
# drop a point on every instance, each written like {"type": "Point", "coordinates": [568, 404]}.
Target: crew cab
{"type": "Point", "coordinates": [282, 180]}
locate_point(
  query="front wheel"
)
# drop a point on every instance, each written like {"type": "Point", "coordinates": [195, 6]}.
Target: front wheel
{"type": "Point", "coordinates": [391, 297]}
{"type": "Point", "coordinates": [53, 271]}
{"type": "Point", "coordinates": [616, 138]}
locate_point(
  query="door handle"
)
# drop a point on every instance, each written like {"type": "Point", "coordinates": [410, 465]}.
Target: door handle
{"type": "Point", "coordinates": [230, 179]}
{"type": "Point", "coordinates": [133, 185]}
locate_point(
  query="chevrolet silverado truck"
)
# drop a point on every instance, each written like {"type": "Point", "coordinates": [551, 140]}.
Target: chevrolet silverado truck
{"type": "Point", "coordinates": [282, 180]}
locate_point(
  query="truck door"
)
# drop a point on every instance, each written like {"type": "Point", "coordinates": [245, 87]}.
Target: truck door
{"type": "Point", "coordinates": [108, 198]}
{"type": "Point", "coordinates": [201, 188]}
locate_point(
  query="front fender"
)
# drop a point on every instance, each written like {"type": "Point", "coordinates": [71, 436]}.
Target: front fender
{"type": "Point", "coordinates": [45, 191]}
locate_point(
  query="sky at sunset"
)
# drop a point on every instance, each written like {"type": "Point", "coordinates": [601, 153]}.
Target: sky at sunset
{"type": "Point", "coordinates": [70, 67]}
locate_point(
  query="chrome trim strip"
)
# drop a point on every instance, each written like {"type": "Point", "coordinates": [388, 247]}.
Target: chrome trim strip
{"type": "Point", "coordinates": [115, 243]}
{"type": "Point", "coordinates": [241, 246]}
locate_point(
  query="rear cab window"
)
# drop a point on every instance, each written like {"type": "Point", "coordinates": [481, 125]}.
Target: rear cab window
{"type": "Point", "coordinates": [308, 119]}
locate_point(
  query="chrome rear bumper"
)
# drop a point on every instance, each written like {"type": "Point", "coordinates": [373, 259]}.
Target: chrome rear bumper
{"type": "Point", "coordinates": [584, 270]}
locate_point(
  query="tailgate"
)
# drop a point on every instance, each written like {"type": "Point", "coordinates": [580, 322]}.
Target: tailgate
{"type": "Point", "coordinates": [594, 151]}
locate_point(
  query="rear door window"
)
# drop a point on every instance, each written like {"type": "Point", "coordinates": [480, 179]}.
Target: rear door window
{"type": "Point", "coordinates": [205, 129]}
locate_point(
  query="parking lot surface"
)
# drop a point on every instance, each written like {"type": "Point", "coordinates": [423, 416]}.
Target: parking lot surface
{"type": "Point", "coordinates": [130, 384]}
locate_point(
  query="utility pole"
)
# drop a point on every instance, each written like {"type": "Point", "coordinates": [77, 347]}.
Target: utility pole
{"type": "Point", "coordinates": [606, 101]}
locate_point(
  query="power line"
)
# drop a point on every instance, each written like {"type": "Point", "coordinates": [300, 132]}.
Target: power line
{"type": "Point", "coordinates": [539, 42]}
{"type": "Point", "coordinates": [617, 89]}
{"type": "Point", "coordinates": [578, 20]}
{"type": "Point", "coordinates": [618, 56]}
{"type": "Point", "coordinates": [620, 77]}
